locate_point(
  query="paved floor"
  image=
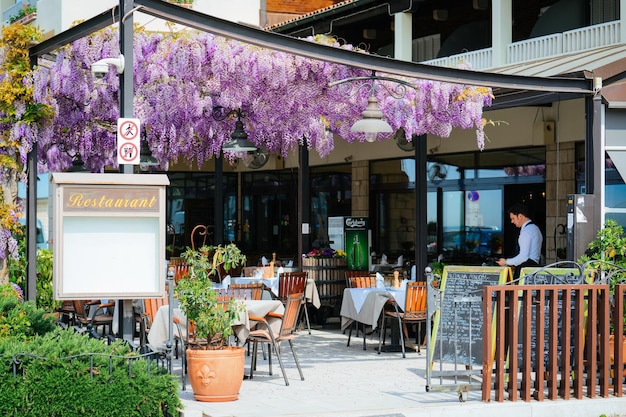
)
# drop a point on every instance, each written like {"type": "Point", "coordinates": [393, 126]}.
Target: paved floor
{"type": "Point", "coordinates": [350, 381]}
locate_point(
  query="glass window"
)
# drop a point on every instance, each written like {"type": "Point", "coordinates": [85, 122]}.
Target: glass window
{"type": "Point", "coordinates": [269, 215]}
{"type": "Point", "coordinates": [331, 196]}
{"type": "Point", "coordinates": [190, 202]}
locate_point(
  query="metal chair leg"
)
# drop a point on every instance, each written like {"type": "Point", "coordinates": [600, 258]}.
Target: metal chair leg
{"type": "Point", "coordinates": [295, 358]}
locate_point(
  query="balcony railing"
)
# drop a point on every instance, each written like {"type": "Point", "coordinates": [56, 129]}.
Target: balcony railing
{"type": "Point", "coordinates": [576, 40]}
{"type": "Point", "coordinates": [15, 9]}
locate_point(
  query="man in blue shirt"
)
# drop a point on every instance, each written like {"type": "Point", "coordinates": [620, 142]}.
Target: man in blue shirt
{"type": "Point", "coordinates": [529, 241]}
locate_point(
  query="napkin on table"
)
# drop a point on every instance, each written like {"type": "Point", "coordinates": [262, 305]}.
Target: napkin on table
{"type": "Point", "coordinates": [264, 261]}
{"type": "Point", "coordinates": [383, 259]}
{"type": "Point", "coordinates": [400, 260]}
{"type": "Point", "coordinates": [380, 280]}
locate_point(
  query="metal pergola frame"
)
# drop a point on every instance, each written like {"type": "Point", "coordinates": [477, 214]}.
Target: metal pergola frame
{"type": "Point", "coordinates": [510, 91]}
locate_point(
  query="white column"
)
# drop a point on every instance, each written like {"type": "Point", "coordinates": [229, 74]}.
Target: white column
{"type": "Point", "coordinates": [622, 21]}
{"type": "Point", "coordinates": [403, 36]}
{"type": "Point", "coordinates": [501, 30]}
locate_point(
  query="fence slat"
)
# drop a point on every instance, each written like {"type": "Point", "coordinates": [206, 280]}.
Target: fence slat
{"type": "Point", "coordinates": [551, 341]}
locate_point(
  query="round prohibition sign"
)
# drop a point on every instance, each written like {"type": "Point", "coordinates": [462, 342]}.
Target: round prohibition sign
{"type": "Point", "coordinates": [128, 130]}
{"type": "Point", "coordinates": [128, 152]}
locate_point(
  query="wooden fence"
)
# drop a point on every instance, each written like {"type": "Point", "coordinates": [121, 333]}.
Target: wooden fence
{"type": "Point", "coordinates": [553, 341]}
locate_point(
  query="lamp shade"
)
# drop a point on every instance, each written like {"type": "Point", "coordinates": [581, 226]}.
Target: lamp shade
{"type": "Point", "coordinates": [372, 122]}
{"type": "Point", "coordinates": [78, 165]}
{"type": "Point", "coordinates": [239, 142]}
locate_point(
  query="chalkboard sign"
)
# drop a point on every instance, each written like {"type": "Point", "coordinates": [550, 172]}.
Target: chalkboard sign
{"type": "Point", "coordinates": [550, 276]}
{"type": "Point", "coordinates": [458, 324]}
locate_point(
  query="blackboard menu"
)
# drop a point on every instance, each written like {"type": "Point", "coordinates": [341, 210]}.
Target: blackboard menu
{"type": "Point", "coordinates": [548, 276]}
{"type": "Point", "coordinates": [458, 324]}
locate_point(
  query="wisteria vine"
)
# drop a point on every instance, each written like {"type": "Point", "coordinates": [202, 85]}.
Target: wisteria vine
{"type": "Point", "coordinates": [180, 79]}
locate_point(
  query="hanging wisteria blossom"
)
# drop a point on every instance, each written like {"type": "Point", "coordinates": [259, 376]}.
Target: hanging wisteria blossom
{"type": "Point", "coordinates": [180, 79]}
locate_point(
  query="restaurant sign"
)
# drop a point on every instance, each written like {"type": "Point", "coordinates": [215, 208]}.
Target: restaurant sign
{"type": "Point", "coordinates": [111, 199]}
{"type": "Point", "coordinates": [108, 235]}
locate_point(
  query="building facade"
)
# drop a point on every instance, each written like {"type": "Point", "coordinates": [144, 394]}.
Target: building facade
{"type": "Point", "coordinates": [535, 153]}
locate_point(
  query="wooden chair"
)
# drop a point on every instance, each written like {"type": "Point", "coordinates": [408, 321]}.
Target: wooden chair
{"type": "Point", "coordinates": [249, 291]}
{"type": "Point", "coordinates": [264, 334]}
{"type": "Point", "coordinates": [293, 283]}
{"type": "Point", "coordinates": [180, 267]}
{"type": "Point", "coordinates": [414, 313]}
{"type": "Point", "coordinates": [146, 317]}
{"type": "Point", "coordinates": [67, 313]}
{"type": "Point", "coordinates": [94, 314]}
{"type": "Point", "coordinates": [359, 279]}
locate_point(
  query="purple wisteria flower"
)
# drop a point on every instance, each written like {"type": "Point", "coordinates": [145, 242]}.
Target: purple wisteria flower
{"type": "Point", "coordinates": [179, 79]}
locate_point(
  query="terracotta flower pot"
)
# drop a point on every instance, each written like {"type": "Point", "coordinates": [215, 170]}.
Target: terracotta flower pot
{"type": "Point", "coordinates": [216, 375]}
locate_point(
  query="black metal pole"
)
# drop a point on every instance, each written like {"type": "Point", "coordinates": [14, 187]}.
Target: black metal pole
{"type": "Point", "coordinates": [126, 316]}
{"type": "Point", "coordinates": [30, 292]}
{"type": "Point", "coordinates": [421, 206]}
{"type": "Point", "coordinates": [304, 204]}
{"type": "Point", "coordinates": [218, 202]}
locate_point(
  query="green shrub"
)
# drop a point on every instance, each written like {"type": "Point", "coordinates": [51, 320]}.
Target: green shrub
{"type": "Point", "coordinates": [21, 320]}
{"type": "Point", "coordinates": [61, 387]}
{"type": "Point", "coordinates": [99, 380]}
{"type": "Point", "coordinates": [17, 274]}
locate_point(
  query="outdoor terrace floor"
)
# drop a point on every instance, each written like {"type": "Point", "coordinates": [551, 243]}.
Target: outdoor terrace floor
{"type": "Point", "coordinates": [350, 381]}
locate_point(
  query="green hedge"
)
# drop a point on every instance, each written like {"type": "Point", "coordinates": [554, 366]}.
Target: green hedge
{"type": "Point", "coordinates": [61, 387]}
{"type": "Point", "coordinates": [62, 373]}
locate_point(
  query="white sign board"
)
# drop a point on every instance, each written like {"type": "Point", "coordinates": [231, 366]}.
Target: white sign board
{"type": "Point", "coordinates": [128, 141]}
{"type": "Point", "coordinates": [108, 235]}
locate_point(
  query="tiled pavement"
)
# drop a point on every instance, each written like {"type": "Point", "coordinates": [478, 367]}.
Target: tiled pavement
{"type": "Point", "coordinates": [350, 381]}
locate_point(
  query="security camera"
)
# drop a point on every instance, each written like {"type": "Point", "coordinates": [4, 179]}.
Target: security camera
{"type": "Point", "coordinates": [100, 68]}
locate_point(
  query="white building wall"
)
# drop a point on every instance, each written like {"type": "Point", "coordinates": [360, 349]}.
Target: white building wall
{"type": "Point", "coordinates": [55, 16]}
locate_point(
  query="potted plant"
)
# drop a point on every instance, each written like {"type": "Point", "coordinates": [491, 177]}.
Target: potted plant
{"type": "Point", "coordinates": [227, 260]}
{"type": "Point", "coordinates": [215, 368]}
{"type": "Point", "coordinates": [606, 256]}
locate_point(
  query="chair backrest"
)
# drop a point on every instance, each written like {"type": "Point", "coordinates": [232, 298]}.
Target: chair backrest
{"type": "Point", "coordinates": [251, 271]}
{"type": "Point", "coordinates": [354, 274]}
{"type": "Point", "coordinates": [79, 308]}
{"type": "Point", "coordinates": [415, 302]}
{"type": "Point", "coordinates": [360, 279]}
{"type": "Point", "coordinates": [151, 306]}
{"type": "Point", "coordinates": [291, 283]}
{"type": "Point", "coordinates": [180, 267]}
{"type": "Point", "coordinates": [248, 291]}
{"type": "Point", "coordinates": [292, 312]}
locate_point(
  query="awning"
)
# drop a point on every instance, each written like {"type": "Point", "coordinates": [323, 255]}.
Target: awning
{"type": "Point", "coordinates": [608, 63]}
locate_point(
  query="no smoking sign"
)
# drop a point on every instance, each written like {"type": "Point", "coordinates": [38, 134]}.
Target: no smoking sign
{"type": "Point", "coordinates": [128, 141]}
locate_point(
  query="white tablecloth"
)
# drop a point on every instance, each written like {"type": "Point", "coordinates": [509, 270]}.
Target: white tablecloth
{"type": "Point", "coordinates": [311, 295]}
{"type": "Point", "coordinates": [365, 304]}
{"type": "Point", "coordinates": [158, 335]}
